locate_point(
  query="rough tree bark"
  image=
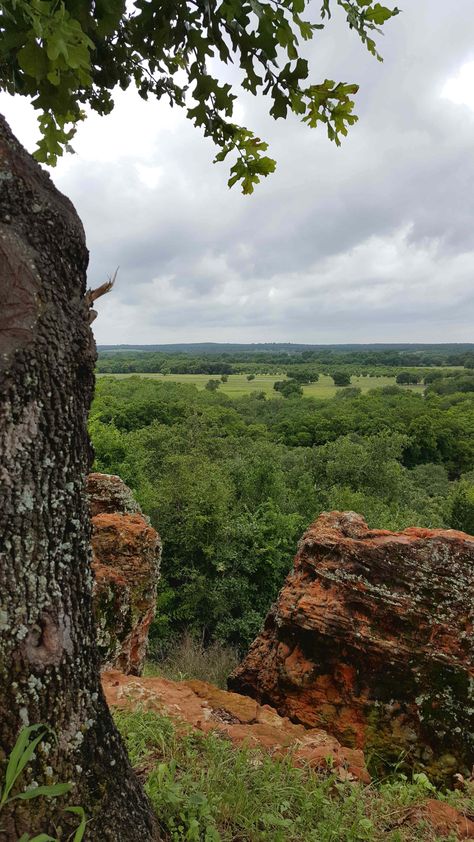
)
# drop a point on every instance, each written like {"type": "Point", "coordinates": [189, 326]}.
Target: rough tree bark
{"type": "Point", "coordinates": [49, 669]}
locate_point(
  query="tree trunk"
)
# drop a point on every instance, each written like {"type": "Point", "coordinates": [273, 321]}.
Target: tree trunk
{"type": "Point", "coordinates": [49, 668]}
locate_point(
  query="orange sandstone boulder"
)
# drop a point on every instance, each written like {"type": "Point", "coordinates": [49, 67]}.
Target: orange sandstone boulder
{"type": "Point", "coordinates": [234, 717]}
{"type": "Point", "coordinates": [372, 639]}
{"type": "Point", "coordinates": [446, 820]}
{"type": "Point", "coordinates": [126, 554]}
{"type": "Point", "coordinates": [244, 721]}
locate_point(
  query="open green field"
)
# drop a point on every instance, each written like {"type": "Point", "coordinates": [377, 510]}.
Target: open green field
{"type": "Point", "coordinates": [238, 385]}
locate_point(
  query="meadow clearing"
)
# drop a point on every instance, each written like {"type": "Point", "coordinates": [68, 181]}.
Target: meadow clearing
{"type": "Point", "coordinates": [238, 385]}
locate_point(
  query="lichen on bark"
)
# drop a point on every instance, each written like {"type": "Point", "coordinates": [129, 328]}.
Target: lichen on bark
{"type": "Point", "coordinates": [49, 669]}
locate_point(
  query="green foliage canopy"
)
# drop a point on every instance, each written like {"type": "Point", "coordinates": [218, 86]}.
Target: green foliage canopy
{"type": "Point", "coordinates": [341, 378]}
{"type": "Point", "coordinates": [303, 375]}
{"type": "Point", "coordinates": [288, 388]}
{"type": "Point", "coordinates": [67, 54]}
{"type": "Point", "coordinates": [231, 483]}
{"type": "Point", "coordinates": [212, 385]}
{"type": "Point", "coordinates": [405, 378]}
{"type": "Point", "coordinates": [463, 507]}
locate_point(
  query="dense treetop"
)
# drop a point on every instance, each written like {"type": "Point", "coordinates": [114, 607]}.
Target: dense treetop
{"type": "Point", "coordinates": [67, 54]}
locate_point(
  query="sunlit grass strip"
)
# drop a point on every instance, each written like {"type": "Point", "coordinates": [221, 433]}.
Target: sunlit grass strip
{"type": "Point", "coordinates": [238, 386]}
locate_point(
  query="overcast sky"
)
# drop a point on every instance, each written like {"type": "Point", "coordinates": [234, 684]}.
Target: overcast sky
{"type": "Point", "coordinates": [371, 242]}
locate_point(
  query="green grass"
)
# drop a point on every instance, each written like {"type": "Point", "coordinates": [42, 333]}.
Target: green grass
{"type": "Point", "coordinates": [237, 385]}
{"type": "Point", "coordinates": [325, 388]}
{"type": "Point", "coordinates": [204, 789]}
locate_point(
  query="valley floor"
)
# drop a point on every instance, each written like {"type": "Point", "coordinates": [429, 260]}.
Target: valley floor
{"type": "Point", "coordinates": [238, 386]}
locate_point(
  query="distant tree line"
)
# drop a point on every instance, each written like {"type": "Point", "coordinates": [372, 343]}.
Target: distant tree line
{"type": "Point", "coordinates": [275, 362]}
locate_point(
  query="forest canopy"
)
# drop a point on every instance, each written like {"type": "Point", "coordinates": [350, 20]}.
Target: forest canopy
{"type": "Point", "coordinates": [231, 483]}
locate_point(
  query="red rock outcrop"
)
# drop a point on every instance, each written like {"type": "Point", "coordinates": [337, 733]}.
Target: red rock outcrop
{"type": "Point", "coordinates": [236, 717]}
{"type": "Point", "coordinates": [446, 820]}
{"type": "Point", "coordinates": [126, 556]}
{"type": "Point", "coordinates": [372, 639]}
{"type": "Point", "coordinates": [245, 722]}
{"type": "Point", "coordinates": [108, 493]}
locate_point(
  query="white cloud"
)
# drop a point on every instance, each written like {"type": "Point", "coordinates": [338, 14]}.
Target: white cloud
{"type": "Point", "coordinates": [460, 88]}
{"type": "Point", "coordinates": [373, 241]}
{"type": "Point", "coordinates": [350, 290]}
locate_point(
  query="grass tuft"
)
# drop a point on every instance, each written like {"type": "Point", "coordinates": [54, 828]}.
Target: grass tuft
{"type": "Point", "coordinates": [190, 658]}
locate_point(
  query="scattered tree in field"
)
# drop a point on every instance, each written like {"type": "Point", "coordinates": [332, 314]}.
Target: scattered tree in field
{"type": "Point", "coordinates": [341, 378]}
{"type": "Point", "coordinates": [304, 377]}
{"type": "Point", "coordinates": [250, 377]}
{"type": "Point", "coordinates": [431, 376]}
{"type": "Point", "coordinates": [405, 378]}
{"type": "Point", "coordinates": [224, 378]}
{"type": "Point", "coordinates": [65, 55]}
{"type": "Point", "coordinates": [212, 385]}
{"type": "Point", "coordinates": [288, 388]}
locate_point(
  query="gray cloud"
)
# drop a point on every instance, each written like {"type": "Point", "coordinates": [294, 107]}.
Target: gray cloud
{"type": "Point", "coordinates": [373, 241]}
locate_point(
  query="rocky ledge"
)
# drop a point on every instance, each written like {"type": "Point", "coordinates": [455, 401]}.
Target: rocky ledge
{"type": "Point", "coordinates": [126, 556]}
{"type": "Point", "coordinates": [242, 720]}
{"type": "Point", "coordinates": [235, 717]}
{"type": "Point", "coordinates": [371, 639]}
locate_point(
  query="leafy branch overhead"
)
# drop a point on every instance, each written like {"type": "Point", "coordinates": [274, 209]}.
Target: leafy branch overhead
{"type": "Point", "coordinates": [67, 54]}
